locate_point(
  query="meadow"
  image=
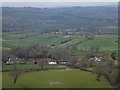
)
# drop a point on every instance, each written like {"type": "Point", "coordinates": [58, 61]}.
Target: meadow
{"type": "Point", "coordinates": [17, 39]}
{"type": "Point", "coordinates": [12, 39]}
{"type": "Point", "coordinates": [104, 42]}
{"type": "Point", "coordinates": [69, 78]}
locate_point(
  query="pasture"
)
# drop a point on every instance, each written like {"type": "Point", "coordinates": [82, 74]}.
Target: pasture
{"type": "Point", "coordinates": [104, 42]}
{"type": "Point", "coordinates": [12, 39]}
{"type": "Point", "coordinates": [19, 39]}
{"type": "Point", "coordinates": [69, 78]}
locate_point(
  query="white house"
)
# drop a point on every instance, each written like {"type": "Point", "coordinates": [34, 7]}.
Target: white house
{"type": "Point", "coordinates": [98, 59]}
{"type": "Point", "coordinates": [52, 62]}
{"type": "Point", "coordinates": [9, 61]}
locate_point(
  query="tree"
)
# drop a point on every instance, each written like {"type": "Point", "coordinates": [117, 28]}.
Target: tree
{"type": "Point", "coordinates": [5, 56]}
{"type": "Point", "coordinates": [84, 63]}
{"type": "Point", "coordinates": [39, 52]}
{"type": "Point", "coordinates": [100, 69]}
{"type": "Point", "coordinates": [58, 54]}
{"type": "Point", "coordinates": [90, 53]}
{"type": "Point", "coordinates": [114, 56]}
{"type": "Point", "coordinates": [15, 73]}
{"type": "Point", "coordinates": [106, 68]}
{"type": "Point", "coordinates": [74, 61]}
{"type": "Point", "coordinates": [20, 52]}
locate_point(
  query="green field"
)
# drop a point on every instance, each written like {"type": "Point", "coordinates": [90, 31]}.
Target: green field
{"type": "Point", "coordinates": [105, 42]}
{"type": "Point", "coordinates": [70, 78]}
{"type": "Point", "coordinates": [17, 39]}
{"type": "Point", "coordinates": [12, 39]}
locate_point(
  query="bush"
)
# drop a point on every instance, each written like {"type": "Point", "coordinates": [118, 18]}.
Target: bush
{"type": "Point", "coordinates": [77, 65]}
{"type": "Point", "coordinates": [84, 63]}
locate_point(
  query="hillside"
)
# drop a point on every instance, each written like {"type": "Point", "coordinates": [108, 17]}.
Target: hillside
{"type": "Point", "coordinates": [32, 19]}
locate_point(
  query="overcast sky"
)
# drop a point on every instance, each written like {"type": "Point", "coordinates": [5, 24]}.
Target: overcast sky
{"type": "Point", "coordinates": [60, 0]}
{"type": "Point", "coordinates": [57, 3]}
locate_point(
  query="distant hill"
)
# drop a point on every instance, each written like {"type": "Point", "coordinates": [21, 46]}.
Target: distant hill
{"type": "Point", "coordinates": [30, 19]}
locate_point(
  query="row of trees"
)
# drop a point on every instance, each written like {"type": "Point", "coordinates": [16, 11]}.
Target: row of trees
{"type": "Point", "coordinates": [37, 52]}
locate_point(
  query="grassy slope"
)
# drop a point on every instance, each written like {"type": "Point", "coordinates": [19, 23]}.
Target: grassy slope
{"type": "Point", "coordinates": [105, 42]}
{"type": "Point", "coordinates": [69, 78]}
{"type": "Point", "coordinates": [11, 40]}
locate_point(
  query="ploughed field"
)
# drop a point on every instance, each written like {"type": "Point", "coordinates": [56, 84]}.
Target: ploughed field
{"type": "Point", "coordinates": [65, 78]}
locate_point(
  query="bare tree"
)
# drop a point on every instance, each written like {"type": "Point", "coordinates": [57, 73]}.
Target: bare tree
{"type": "Point", "coordinates": [15, 73]}
{"type": "Point", "coordinates": [73, 61]}
{"type": "Point", "coordinates": [5, 56]}
{"type": "Point", "coordinates": [59, 53]}
{"type": "Point", "coordinates": [84, 63]}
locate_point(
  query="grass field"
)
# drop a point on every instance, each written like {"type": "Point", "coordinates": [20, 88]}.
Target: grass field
{"type": "Point", "coordinates": [46, 79]}
{"type": "Point", "coordinates": [105, 42]}
{"type": "Point", "coordinates": [17, 39]}
{"type": "Point", "coordinates": [12, 39]}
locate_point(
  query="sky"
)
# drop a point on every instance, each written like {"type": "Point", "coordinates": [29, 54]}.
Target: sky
{"type": "Point", "coordinates": [59, 0]}
{"type": "Point", "coordinates": [57, 3]}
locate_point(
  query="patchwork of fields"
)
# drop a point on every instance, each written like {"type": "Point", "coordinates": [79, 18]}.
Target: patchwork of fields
{"type": "Point", "coordinates": [105, 42]}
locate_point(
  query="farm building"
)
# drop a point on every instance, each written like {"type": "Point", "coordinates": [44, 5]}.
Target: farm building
{"type": "Point", "coordinates": [63, 62]}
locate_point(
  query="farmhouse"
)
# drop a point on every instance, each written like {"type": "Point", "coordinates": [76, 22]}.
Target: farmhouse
{"type": "Point", "coordinates": [51, 62]}
{"type": "Point", "coordinates": [99, 57]}
{"type": "Point", "coordinates": [63, 62]}
{"type": "Point", "coordinates": [9, 61]}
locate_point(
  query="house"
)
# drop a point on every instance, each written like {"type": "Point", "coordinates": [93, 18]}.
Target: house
{"type": "Point", "coordinates": [99, 57]}
{"type": "Point", "coordinates": [63, 62]}
{"type": "Point", "coordinates": [52, 63]}
{"type": "Point", "coordinates": [9, 62]}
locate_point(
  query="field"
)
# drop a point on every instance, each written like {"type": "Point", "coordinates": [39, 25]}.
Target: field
{"type": "Point", "coordinates": [12, 40]}
{"type": "Point", "coordinates": [68, 78]}
{"type": "Point", "coordinates": [17, 39]}
{"type": "Point", "coordinates": [105, 42]}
